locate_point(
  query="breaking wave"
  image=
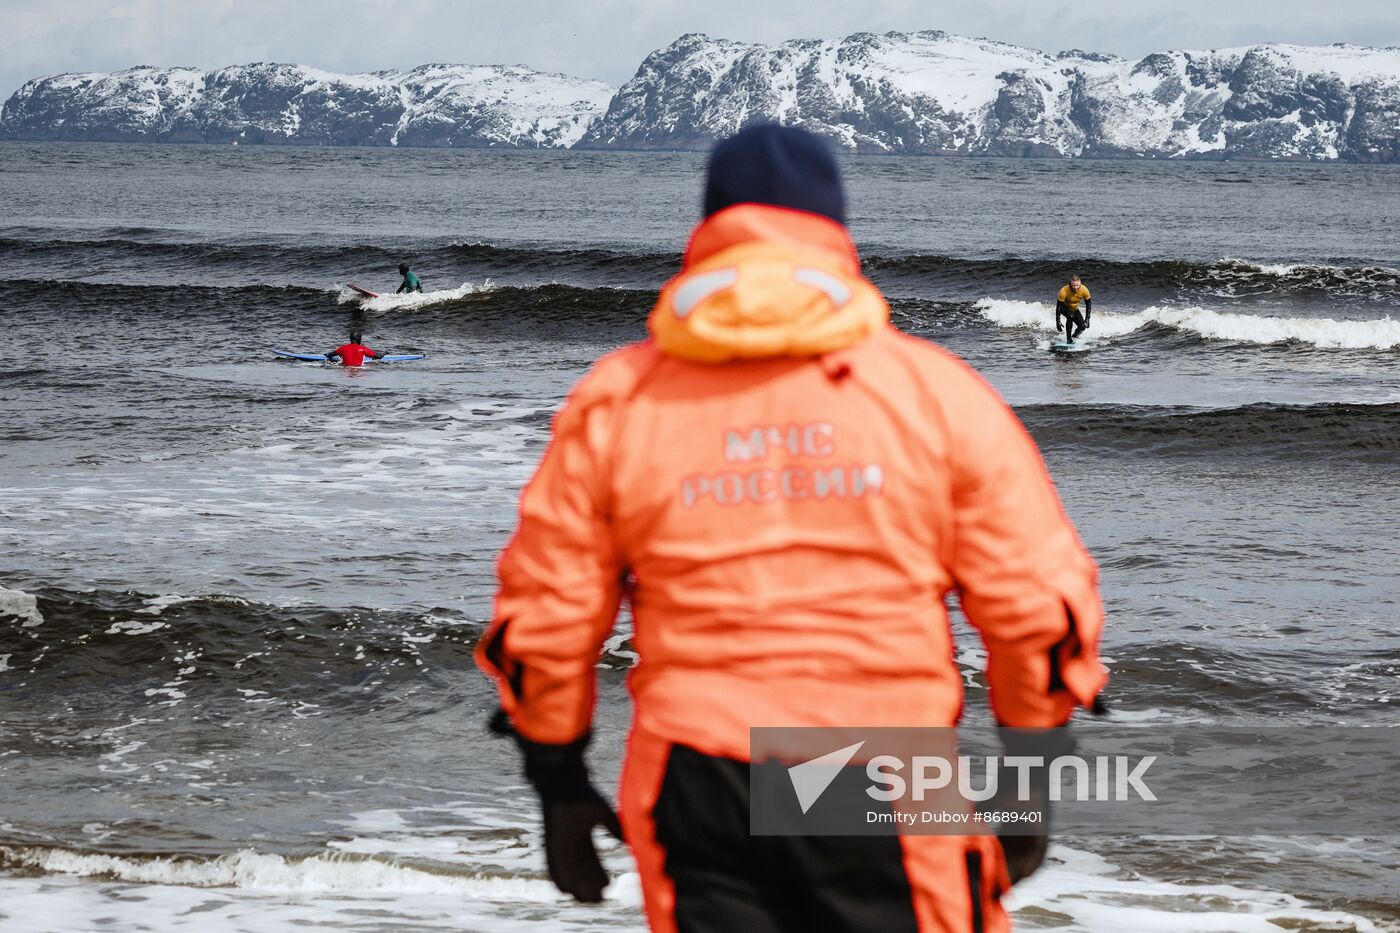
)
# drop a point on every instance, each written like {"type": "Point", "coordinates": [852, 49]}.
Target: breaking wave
{"type": "Point", "coordinates": [1322, 333]}
{"type": "Point", "coordinates": [269, 873]}
{"type": "Point", "coordinates": [412, 301]}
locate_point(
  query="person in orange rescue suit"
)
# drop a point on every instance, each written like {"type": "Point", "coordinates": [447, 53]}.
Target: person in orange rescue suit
{"type": "Point", "coordinates": [785, 487]}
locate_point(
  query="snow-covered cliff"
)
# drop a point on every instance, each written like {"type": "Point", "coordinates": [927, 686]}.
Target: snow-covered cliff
{"type": "Point", "coordinates": [932, 92]}
{"type": "Point", "coordinates": [432, 105]}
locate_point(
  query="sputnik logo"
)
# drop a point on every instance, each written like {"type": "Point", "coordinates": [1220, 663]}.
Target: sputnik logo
{"type": "Point", "coordinates": [811, 778]}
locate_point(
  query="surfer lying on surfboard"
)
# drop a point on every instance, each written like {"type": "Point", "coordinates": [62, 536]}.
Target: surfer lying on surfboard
{"type": "Point", "coordinates": [353, 353]}
{"type": "Point", "coordinates": [1067, 304]}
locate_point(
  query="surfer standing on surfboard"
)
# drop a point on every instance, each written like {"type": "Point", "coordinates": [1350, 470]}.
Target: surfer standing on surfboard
{"type": "Point", "coordinates": [410, 281]}
{"type": "Point", "coordinates": [1067, 304]}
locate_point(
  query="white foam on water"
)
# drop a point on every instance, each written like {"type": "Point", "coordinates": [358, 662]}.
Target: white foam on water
{"type": "Point", "coordinates": [1147, 714]}
{"type": "Point", "coordinates": [616, 646]}
{"type": "Point", "coordinates": [158, 604]}
{"type": "Point", "coordinates": [255, 871]}
{"type": "Point", "coordinates": [253, 891]}
{"type": "Point", "coordinates": [61, 890]}
{"type": "Point", "coordinates": [501, 837]}
{"type": "Point", "coordinates": [18, 604]}
{"type": "Point", "coordinates": [134, 627]}
{"type": "Point", "coordinates": [1275, 268]}
{"type": "Point", "coordinates": [412, 301]}
{"type": "Point", "coordinates": [1285, 269]}
{"type": "Point", "coordinates": [61, 905]}
{"type": "Point", "coordinates": [1324, 333]}
{"type": "Point", "coordinates": [1281, 268]}
{"type": "Point", "coordinates": [1094, 896]}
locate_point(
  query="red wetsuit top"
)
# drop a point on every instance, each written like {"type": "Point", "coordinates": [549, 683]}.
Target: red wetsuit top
{"type": "Point", "coordinates": [352, 354]}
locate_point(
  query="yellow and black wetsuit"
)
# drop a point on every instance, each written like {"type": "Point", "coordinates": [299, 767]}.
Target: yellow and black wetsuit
{"type": "Point", "coordinates": [1067, 303]}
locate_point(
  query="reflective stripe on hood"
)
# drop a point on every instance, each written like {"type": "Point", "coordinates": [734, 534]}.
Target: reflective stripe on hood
{"type": "Point", "coordinates": [762, 281]}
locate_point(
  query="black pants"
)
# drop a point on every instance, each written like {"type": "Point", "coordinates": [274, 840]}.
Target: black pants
{"type": "Point", "coordinates": [727, 881]}
{"type": "Point", "coordinates": [1074, 323]}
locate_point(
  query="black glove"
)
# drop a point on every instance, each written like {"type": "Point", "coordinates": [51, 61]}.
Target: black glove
{"type": "Point", "coordinates": [1059, 325]}
{"type": "Point", "coordinates": [500, 724]}
{"type": "Point", "coordinates": [573, 862]}
{"type": "Point", "coordinates": [1026, 852]}
{"type": "Point", "coordinates": [572, 808]}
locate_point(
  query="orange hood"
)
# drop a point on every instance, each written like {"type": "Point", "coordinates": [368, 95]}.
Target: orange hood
{"type": "Point", "coordinates": [761, 281]}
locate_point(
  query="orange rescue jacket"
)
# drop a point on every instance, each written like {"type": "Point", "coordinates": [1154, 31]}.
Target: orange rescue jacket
{"type": "Point", "coordinates": [786, 488]}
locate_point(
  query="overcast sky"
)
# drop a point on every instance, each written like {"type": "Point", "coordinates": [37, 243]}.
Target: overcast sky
{"type": "Point", "coordinates": [608, 38]}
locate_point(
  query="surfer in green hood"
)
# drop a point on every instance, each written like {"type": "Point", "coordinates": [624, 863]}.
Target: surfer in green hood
{"type": "Point", "coordinates": [410, 281]}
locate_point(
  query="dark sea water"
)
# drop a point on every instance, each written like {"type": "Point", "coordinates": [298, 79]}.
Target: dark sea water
{"type": "Point", "coordinates": [243, 697]}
